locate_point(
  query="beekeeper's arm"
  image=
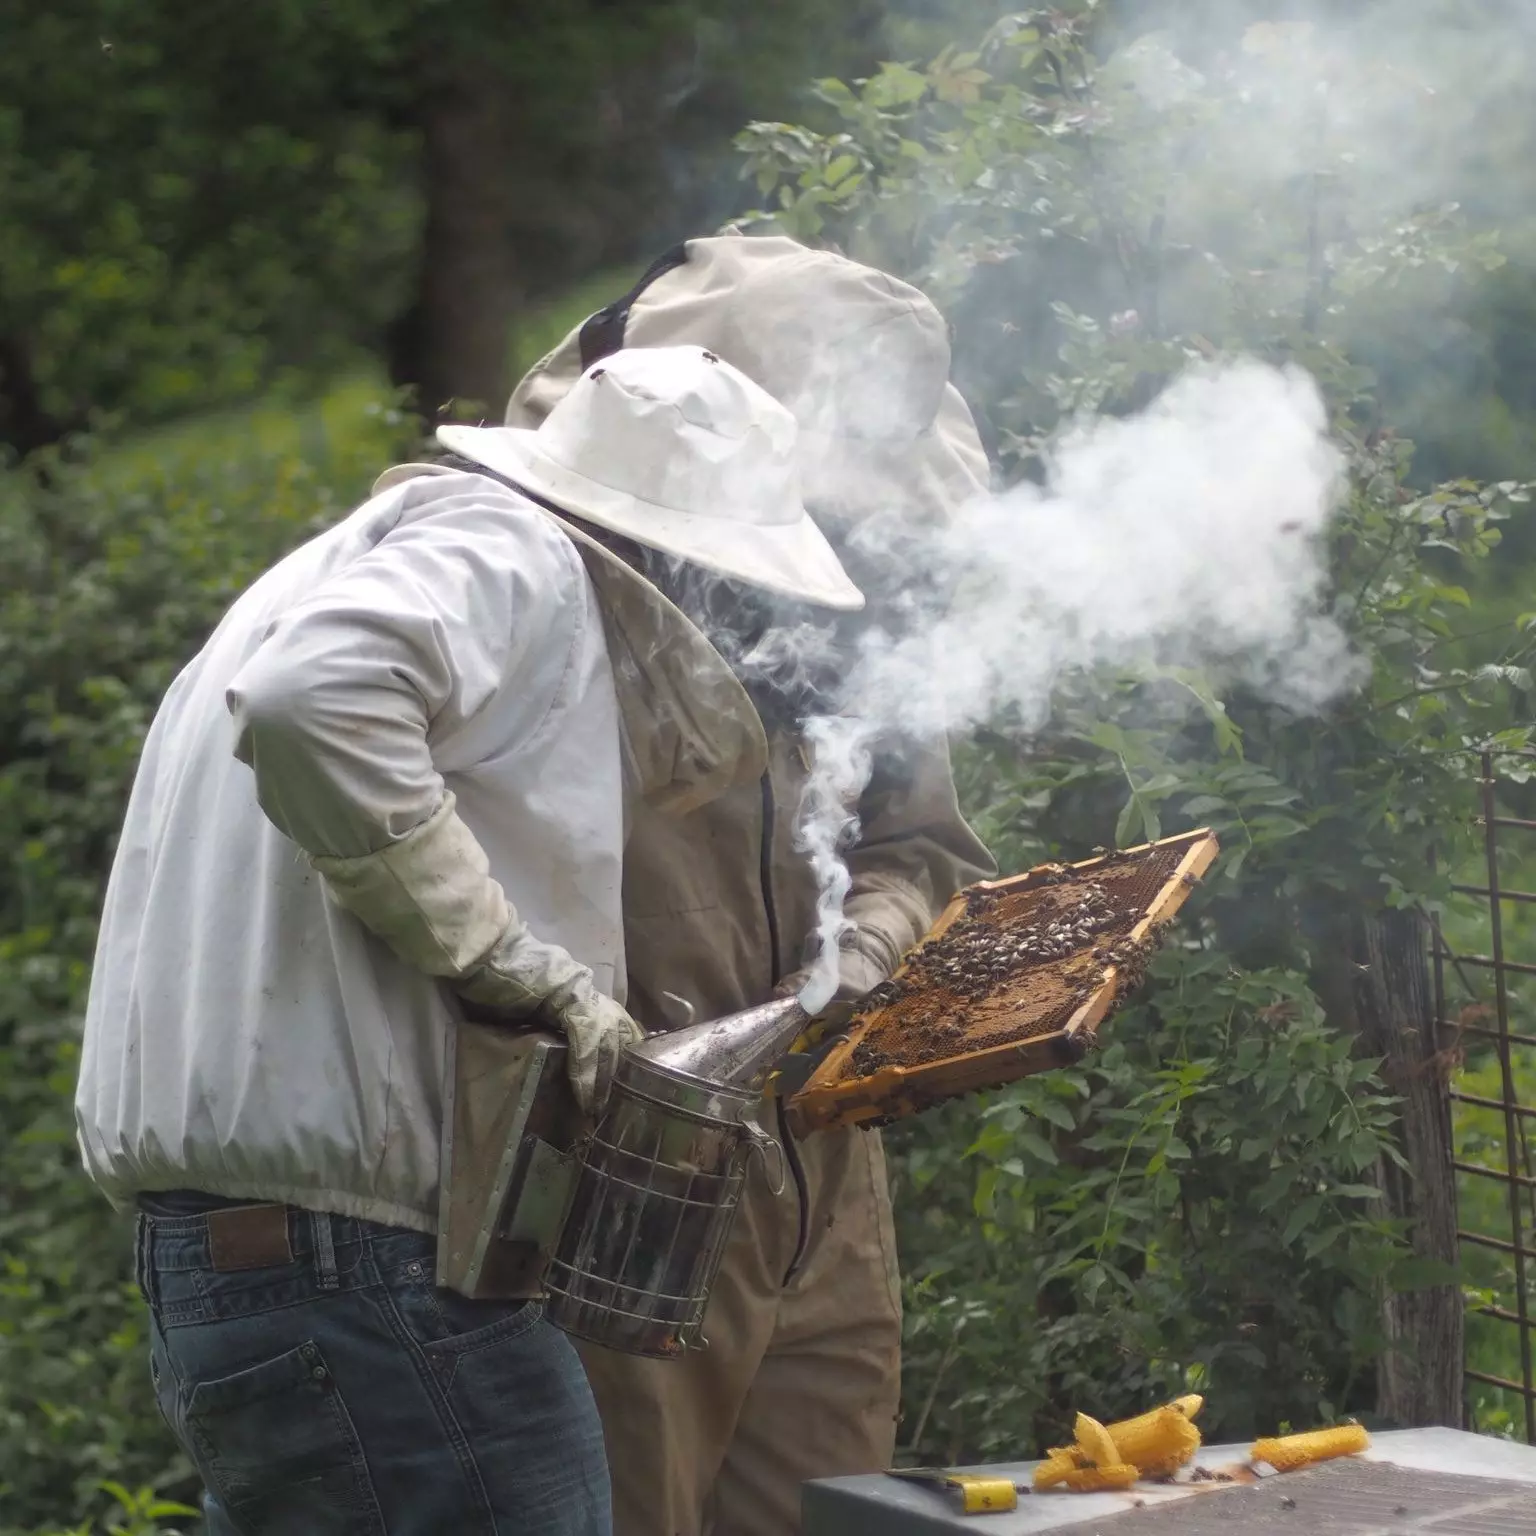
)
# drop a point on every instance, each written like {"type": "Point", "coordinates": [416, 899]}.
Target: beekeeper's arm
{"type": "Point", "coordinates": [473, 605]}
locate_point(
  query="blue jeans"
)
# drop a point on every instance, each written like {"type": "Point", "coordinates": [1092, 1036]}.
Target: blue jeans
{"type": "Point", "coordinates": [339, 1392]}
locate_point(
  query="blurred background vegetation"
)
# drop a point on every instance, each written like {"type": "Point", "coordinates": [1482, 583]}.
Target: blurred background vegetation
{"type": "Point", "coordinates": [248, 252]}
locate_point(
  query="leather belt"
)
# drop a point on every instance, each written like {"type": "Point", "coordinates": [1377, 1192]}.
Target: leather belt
{"type": "Point", "coordinates": [239, 1236]}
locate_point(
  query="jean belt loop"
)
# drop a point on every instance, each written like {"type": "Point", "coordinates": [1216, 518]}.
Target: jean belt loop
{"type": "Point", "coordinates": [144, 1260]}
{"type": "Point", "coordinates": [139, 1222]}
{"type": "Point", "coordinates": [325, 1249]}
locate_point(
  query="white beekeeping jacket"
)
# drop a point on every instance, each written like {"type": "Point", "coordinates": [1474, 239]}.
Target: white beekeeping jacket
{"type": "Point", "coordinates": [244, 1035]}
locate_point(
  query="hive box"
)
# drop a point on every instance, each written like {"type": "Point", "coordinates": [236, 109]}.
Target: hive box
{"type": "Point", "coordinates": [1416, 1482]}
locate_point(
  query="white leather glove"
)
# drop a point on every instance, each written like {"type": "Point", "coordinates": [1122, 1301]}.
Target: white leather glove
{"type": "Point", "coordinates": [431, 898]}
{"type": "Point", "coordinates": [596, 1028]}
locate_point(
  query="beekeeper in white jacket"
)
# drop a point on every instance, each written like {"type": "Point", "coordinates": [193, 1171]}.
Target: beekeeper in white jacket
{"type": "Point", "coordinates": [394, 779]}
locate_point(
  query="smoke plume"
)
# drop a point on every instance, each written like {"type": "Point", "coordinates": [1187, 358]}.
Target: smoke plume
{"type": "Point", "coordinates": [1189, 535]}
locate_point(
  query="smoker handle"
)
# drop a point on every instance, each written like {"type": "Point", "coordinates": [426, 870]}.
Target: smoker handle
{"type": "Point", "coordinates": [760, 1142]}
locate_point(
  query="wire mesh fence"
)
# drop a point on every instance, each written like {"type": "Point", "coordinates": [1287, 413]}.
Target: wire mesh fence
{"type": "Point", "coordinates": [1485, 1004]}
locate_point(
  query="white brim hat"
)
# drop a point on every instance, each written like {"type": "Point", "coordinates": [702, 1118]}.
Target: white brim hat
{"type": "Point", "coordinates": [678, 451]}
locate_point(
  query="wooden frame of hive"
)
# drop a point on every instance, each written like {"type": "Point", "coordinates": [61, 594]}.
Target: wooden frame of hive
{"type": "Point", "coordinates": [835, 1094]}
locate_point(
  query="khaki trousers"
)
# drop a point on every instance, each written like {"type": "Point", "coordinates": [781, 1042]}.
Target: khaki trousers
{"type": "Point", "coordinates": [799, 1381]}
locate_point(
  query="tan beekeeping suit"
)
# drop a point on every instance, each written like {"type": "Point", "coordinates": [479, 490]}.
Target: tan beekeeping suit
{"type": "Point", "coordinates": [802, 1375]}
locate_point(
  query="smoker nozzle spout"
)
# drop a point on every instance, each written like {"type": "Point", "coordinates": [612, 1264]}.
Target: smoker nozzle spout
{"type": "Point", "coordinates": [737, 1051]}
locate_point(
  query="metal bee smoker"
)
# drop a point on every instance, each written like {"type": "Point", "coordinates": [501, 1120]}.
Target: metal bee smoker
{"type": "Point", "coordinates": [620, 1226]}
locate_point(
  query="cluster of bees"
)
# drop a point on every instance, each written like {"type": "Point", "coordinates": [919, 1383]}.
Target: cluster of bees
{"type": "Point", "coordinates": [1130, 958]}
{"type": "Point", "coordinates": [976, 954]}
{"type": "Point", "coordinates": [981, 952]}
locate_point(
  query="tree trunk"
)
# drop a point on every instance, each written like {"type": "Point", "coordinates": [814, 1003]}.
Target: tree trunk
{"type": "Point", "coordinates": [24, 424]}
{"type": "Point", "coordinates": [1420, 1376]}
{"type": "Point", "coordinates": [454, 345]}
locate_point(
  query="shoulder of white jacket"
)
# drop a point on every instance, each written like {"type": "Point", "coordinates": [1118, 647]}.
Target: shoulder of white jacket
{"type": "Point", "coordinates": [459, 496]}
{"type": "Point", "coordinates": [447, 491]}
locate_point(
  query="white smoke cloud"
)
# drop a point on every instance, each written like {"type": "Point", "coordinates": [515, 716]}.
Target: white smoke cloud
{"type": "Point", "coordinates": [1190, 534]}
{"type": "Point", "coordinates": [1400, 97]}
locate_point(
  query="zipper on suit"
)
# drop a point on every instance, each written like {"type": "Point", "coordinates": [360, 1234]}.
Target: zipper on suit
{"type": "Point", "coordinates": [786, 1139]}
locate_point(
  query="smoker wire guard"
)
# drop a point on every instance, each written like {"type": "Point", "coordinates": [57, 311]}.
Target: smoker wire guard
{"type": "Point", "coordinates": [835, 1096]}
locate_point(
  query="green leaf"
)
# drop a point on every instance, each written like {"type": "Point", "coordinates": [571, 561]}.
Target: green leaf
{"type": "Point", "coordinates": [1128, 821]}
{"type": "Point", "coordinates": [833, 90]}
{"type": "Point", "coordinates": [840, 168]}
{"type": "Point", "coordinates": [1276, 827]}
{"type": "Point", "coordinates": [1228, 739]}
{"type": "Point", "coordinates": [1319, 1242]}
{"type": "Point", "coordinates": [895, 86]}
{"type": "Point", "coordinates": [1138, 822]}
{"type": "Point", "coordinates": [1057, 1113]}
{"type": "Point", "coordinates": [1303, 1214]}
{"type": "Point", "coordinates": [1037, 1147]}
{"type": "Point", "coordinates": [1204, 805]}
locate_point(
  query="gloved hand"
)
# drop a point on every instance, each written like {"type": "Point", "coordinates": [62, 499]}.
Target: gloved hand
{"type": "Point", "coordinates": [430, 897]}
{"type": "Point", "coordinates": [596, 1028]}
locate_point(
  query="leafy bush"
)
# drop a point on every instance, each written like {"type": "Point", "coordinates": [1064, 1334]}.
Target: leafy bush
{"type": "Point", "coordinates": [1177, 1216]}
{"type": "Point", "coordinates": [1195, 1205]}
{"type": "Point", "coordinates": [117, 566]}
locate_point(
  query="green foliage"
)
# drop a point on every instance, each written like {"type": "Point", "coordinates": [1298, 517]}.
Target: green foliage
{"type": "Point", "coordinates": [196, 201]}
{"type": "Point", "coordinates": [117, 567]}
{"type": "Point", "coordinates": [1194, 1205]}
{"type": "Point", "coordinates": [137, 1512]}
{"type": "Point", "coordinates": [1175, 1216]}
{"type": "Point", "coordinates": [187, 202]}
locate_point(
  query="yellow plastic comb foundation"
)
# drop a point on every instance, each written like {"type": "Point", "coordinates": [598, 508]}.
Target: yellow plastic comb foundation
{"type": "Point", "coordinates": [1101, 1479]}
{"type": "Point", "coordinates": [1289, 1452]}
{"type": "Point", "coordinates": [1159, 1442]}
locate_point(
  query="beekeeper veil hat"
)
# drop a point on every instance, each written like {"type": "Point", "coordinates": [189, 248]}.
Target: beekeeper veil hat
{"type": "Point", "coordinates": [860, 358]}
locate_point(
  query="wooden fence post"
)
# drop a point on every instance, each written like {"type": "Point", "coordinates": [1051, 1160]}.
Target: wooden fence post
{"type": "Point", "coordinates": [1420, 1380]}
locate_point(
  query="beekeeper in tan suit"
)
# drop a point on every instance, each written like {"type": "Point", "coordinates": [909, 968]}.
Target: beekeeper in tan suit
{"type": "Point", "coordinates": [801, 1378]}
